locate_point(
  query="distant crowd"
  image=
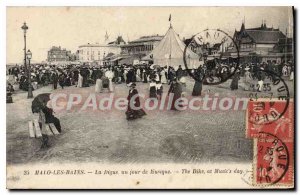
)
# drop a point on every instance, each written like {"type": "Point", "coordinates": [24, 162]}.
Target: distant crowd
{"type": "Point", "coordinates": [104, 78]}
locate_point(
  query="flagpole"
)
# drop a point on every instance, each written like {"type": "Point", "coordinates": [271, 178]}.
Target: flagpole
{"type": "Point", "coordinates": [170, 19]}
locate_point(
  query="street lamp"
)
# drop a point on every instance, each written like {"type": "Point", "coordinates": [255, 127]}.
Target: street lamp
{"type": "Point", "coordinates": [27, 70]}
{"type": "Point", "coordinates": [25, 28]}
{"type": "Point", "coordinates": [29, 56]}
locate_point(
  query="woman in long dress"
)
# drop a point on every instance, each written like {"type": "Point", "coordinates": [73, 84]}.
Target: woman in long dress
{"type": "Point", "coordinates": [163, 76]}
{"type": "Point", "coordinates": [98, 86]}
{"type": "Point", "coordinates": [197, 89]}
{"type": "Point", "coordinates": [110, 75]}
{"type": "Point", "coordinates": [247, 79]}
{"type": "Point", "coordinates": [152, 89]}
{"type": "Point", "coordinates": [80, 80]}
{"type": "Point", "coordinates": [235, 81]}
{"type": "Point", "coordinates": [133, 110]}
{"type": "Point", "coordinates": [260, 78]}
{"type": "Point", "coordinates": [176, 90]}
{"type": "Point", "coordinates": [138, 75]}
{"type": "Point", "coordinates": [159, 90]}
{"type": "Point", "coordinates": [292, 73]}
{"type": "Point", "coordinates": [285, 70]}
{"type": "Point", "coordinates": [145, 76]}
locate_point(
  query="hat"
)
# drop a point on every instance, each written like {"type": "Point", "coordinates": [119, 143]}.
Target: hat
{"type": "Point", "coordinates": [132, 84]}
{"type": "Point", "coordinates": [182, 80]}
{"type": "Point", "coordinates": [247, 68]}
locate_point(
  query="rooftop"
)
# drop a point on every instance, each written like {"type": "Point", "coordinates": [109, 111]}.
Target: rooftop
{"type": "Point", "coordinates": [96, 45]}
{"type": "Point", "coordinates": [118, 41]}
{"type": "Point", "coordinates": [148, 38]}
{"type": "Point", "coordinates": [261, 34]}
{"type": "Point", "coordinates": [265, 36]}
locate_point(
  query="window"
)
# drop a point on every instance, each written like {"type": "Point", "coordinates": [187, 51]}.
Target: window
{"type": "Point", "coordinates": [98, 52]}
{"type": "Point", "coordinates": [87, 52]}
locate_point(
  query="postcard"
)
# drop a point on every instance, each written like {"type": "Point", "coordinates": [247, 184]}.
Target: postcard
{"type": "Point", "coordinates": [150, 97]}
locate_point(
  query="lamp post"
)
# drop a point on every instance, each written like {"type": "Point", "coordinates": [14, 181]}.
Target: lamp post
{"type": "Point", "coordinates": [25, 28]}
{"type": "Point", "coordinates": [29, 56]}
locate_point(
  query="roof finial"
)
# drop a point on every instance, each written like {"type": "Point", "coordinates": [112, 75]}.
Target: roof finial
{"type": "Point", "coordinates": [106, 37]}
{"type": "Point", "coordinates": [170, 20]}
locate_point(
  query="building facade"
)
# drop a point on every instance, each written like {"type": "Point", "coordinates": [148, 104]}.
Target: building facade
{"type": "Point", "coordinates": [134, 51]}
{"type": "Point", "coordinates": [96, 53]}
{"type": "Point", "coordinates": [257, 45]}
{"type": "Point", "coordinates": [285, 47]}
{"type": "Point", "coordinates": [57, 54]}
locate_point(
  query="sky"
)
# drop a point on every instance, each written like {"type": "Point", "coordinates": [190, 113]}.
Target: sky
{"type": "Point", "coordinates": [70, 27]}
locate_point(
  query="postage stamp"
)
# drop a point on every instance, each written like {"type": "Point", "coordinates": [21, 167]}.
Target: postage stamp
{"type": "Point", "coordinates": [270, 117]}
{"type": "Point", "coordinates": [273, 160]}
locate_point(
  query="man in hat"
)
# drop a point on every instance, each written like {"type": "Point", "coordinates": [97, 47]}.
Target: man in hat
{"type": "Point", "coordinates": [179, 73]}
{"type": "Point", "coordinates": [61, 80]}
{"type": "Point", "coordinates": [55, 79]}
{"type": "Point", "coordinates": [171, 75]}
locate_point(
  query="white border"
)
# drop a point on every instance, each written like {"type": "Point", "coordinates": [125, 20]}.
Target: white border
{"type": "Point", "coordinates": [5, 3]}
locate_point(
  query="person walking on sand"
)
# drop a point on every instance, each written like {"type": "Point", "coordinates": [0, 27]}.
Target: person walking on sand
{"type": "Point", "coordinates": [134, 111]}
{"type": "Point", "coordinates": [197, 89]}
{"type": "Point", "coordinates": [176, 90]}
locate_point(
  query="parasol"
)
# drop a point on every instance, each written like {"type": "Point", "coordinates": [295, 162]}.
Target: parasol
{"type": "Point", "coordinates": [74, 69]}
{"type": "Point", "coordinates": [153, 66]}
{"type": "Point", "coordinates": [40, 102]}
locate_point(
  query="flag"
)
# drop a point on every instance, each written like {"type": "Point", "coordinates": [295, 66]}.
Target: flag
{"type": "Point", "coordinates": [170, 18]}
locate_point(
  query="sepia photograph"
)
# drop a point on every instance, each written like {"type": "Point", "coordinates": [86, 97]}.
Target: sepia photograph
{"type": "Point", "coordinates": [150, 97]}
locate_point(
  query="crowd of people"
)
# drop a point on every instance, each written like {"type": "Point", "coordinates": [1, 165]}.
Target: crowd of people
{"type": "Point", "coordinates": [103, 78]}
{"type": "Point", "coordinates": [257, 73]}
{"type": "Point", "coordinates": [84, 76]}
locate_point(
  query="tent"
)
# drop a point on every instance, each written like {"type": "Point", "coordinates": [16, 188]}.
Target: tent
{"type": "Point", "coordinates": [169, 52]}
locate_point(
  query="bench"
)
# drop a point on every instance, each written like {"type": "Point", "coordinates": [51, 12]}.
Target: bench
{"type": "Point", "coordinates": [35, 130]}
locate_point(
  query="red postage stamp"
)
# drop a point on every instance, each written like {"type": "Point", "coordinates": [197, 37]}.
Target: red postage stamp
{"type": "Point", "coordinates": [273, 160]}
{"type": "Point", "coordinates": [271, 125]}
{"type": "Point", "coordinates": [274, 117]}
